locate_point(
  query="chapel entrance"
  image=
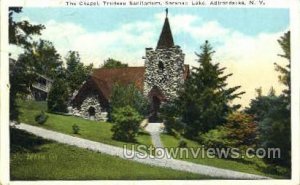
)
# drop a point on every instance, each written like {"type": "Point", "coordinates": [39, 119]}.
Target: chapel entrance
{"type": "Point", "coordinates": [155, 104]}
{"type": "Point", "coordinates": [156, 98]}
{"type": "Point", "coordinates": [92, 113]}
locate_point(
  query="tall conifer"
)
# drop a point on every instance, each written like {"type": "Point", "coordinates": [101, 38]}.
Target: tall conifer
{"type": "Point", "coordinates": [205, 99]}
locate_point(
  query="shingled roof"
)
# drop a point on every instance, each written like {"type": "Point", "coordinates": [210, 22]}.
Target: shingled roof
{"type": "Point", "coordinates": [166, 38]}
{"type": "Point", "coordinates": [106, 78]}
{"type": "Point", "coordinates": [103, 79]}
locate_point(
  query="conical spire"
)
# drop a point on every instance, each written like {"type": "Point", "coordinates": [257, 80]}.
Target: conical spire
{"type": "Point", "coordinates": [166, 38]}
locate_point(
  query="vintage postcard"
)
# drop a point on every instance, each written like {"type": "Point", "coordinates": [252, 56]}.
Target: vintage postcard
{"type": "Point", "coordinates": [201, 91]}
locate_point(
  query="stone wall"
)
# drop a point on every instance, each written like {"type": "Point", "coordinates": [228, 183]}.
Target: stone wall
{"type": "Point", "coordinates": [89, 101]}
{"type": "Point", "coordinates": [164, 69]}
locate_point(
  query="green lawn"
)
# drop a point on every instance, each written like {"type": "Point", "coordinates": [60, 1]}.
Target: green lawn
{"type": "Point", "coordinates": [253, 166]}
{"type": "Point", "coordinates": [34, 158]}
{"type": "Point", "coordinates": [101, 132]}
{"type": "Point", "coordinates": [92, 130]}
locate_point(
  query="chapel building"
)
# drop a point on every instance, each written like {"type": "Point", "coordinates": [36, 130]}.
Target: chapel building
{"type": "Point", "coordinates": [163, 73]}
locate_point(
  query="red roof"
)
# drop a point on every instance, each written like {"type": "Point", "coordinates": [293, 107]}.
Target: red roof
{"type": "Point", "coordinates": [105, 78]}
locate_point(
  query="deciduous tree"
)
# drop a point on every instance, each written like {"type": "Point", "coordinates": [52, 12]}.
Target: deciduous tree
{"type": "Point", "coordinates": [76, 71]}
{"type": "Point", "coordinates": [112, 63]}
{"type": "Point", "coordinates": [20, 34]}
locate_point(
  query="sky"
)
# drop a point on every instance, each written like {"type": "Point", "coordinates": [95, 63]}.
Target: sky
{"type": "Point", "coordinates": [245, 40]}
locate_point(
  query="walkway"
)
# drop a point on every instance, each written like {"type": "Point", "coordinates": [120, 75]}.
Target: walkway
{"type": "Point", "coordinates": [136, 156]}
{"type": "Point", "coordinates": [155, 129]}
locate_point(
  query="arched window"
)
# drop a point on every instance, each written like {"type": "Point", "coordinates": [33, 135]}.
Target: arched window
{"type": "Point", "coordinates": [161, 66]}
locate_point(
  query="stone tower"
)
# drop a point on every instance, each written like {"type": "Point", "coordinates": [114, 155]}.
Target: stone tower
{"type": "Point", "coordinates": [164, 67]}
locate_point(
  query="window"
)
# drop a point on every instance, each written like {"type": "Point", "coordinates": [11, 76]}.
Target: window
{"type": "Point", "coordinates": [161, 66]}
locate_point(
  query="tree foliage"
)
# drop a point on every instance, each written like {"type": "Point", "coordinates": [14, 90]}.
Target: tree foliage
{"type": "Point", "coordinates": [260, 106]}
{"type": "Point", "coordinates": [126, 123]}
{"type": "Point", "coordinates": [240, 131]}
{"type": "Point", "coordinates": [205, 99]}
{"type": "Point", "coordinates": [42, 58]}
{"type": "Point", "coordinates": [58, 96]}
{"type": "Point", "coordinates": [20, 75]}
{"type": "Point", "coordinates": [20, 33]}
{"type": "Point", "coordinates": [273, 113]}
{"type": "Point", "coordinates": [215, 138]}
{"type": "Point", "coordinates": [112, 63]}
{"type": "Point", "coordinates": [170, 114]}
{"type": "Point", "coordinates": [76, 71]}
{"type": "Point", "coordinates": [275, 130]}
{"type": "Point", "coordinates": [123, 95]}
{"type": "Point", "coordinates": [284, 76]}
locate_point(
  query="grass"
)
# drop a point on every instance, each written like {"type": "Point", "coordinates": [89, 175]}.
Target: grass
{"type": "Point", "coordinates": [253, 166]}
{"type": "Point", "coordinates": [101, 132]}
{"type": "Point", "coordinates": [92, 130]}
{"type": "Point", "coordinates": [34, 158]}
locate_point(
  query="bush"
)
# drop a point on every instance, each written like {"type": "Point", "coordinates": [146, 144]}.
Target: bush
{"type": "Point", "coordinates": [215, 138]}
{"type": "Point", "coordinates": [126, 123]}
{"type": "Point", "coordinates": [240, 131]}
{"type": "Point", "coordinates": [41, 118]}
{"type": "Point", "coordinates": [182, 143]}
{"type": "Point", "coordinates": [75, 128]}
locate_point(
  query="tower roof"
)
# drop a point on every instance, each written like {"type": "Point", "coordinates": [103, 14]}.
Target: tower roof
{"type": "Point", "coordinates": [166, 38]}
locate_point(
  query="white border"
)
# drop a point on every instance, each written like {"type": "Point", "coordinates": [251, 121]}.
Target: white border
{"type": "Point", "coordinates": [295, 81]}
{"type": "Point", "coordinates": [4, 97]}
{"type": "Point", "coordinates": [55, 3]}
{"type": "Point", "coordinates": [294, 6]}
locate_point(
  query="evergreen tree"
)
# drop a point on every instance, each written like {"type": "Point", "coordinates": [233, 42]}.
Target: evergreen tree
{"type": "Point", "coordinates": [276, 125]}
{"type": "Point", "coordinates": [273, 113]}
{"type": "Point", "coordinates": [76, 72]}
{"type": "Point", "coordinates": [285, 77]}
{"type": "Point", "coordinates": [205, 99]}
{"type": "Point", "coordinates": [58, 96]}
{"type": "Point", "coordinates": [275, 130]}
{"type": "Point", "coordinates": [260, 106]}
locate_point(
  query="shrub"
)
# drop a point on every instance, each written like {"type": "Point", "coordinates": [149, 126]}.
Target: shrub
{"type": "Point", "coordinates": [182, 143]}
{"type": "Point", "coordinates": [126, 123]}
{"type": "Point", "coordinates": [41, 118]}
{"type": "Point", "coordinates": [215, 138]}
{"type": "Point", "coordinates": [240, 131]}
{"type": "Point", "coordinates": [75, 128]}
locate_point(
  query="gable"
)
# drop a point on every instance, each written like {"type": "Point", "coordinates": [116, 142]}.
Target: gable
{"type": "Point", "coordinates": [102, 81]}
